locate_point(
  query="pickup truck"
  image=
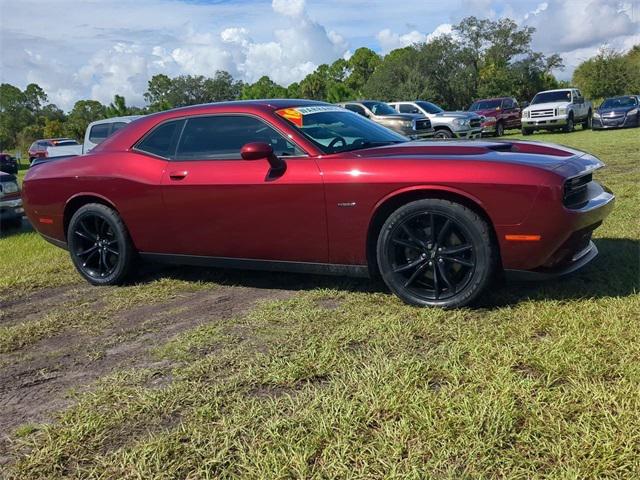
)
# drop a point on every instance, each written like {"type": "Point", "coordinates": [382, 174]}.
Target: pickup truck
{"type": "Point", "coordinates": [467, 125]}
{"type": "Point", "coordinates": [556, 109]}
{"type": "Point", "coordinates": [500, 114]}
{"type": "Point", "coordinates": [55, 149]}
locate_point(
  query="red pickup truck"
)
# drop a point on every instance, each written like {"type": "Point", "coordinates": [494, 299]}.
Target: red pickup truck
{"type": "Point", "coordinates": [500, 114]}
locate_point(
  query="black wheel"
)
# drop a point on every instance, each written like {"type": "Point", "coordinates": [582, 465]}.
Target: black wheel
{"type": "Point", "coordinates": [586, 125]}
{"type": "Point", "coordinates": [443, 134]}
{"type": "Point", "coordinates": [99, 245]}
{"type": "Point", "coordinates": [527, 131]}
{"type": "Point", "coordinates": [436, 253]}
{"type": "Point", "coordinates": [499, 129]}
{"type": "Point", "coordinates": [569, 126]}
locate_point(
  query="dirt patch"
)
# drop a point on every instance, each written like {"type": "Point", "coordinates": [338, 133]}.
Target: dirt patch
{"type": "Point", "coordinates": [35, 381]}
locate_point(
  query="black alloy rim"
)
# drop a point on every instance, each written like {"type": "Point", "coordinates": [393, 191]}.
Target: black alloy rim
{"type": "Point", "coordinates": [431, 255]}
{"type": "Point", "coordinates": [96, 246]}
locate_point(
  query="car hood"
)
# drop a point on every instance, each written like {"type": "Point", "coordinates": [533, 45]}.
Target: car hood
{"type": "Point", "coordinates": [619, 110]}
{"type": "Point", "coordinates": [488, 112]}
{"type": "Point", "coordinates": [398, 116]}
{"type": "Point", "coordinates": [545, 106]}
{"type": "Point", "coordinates": [465, 115]}
{"type": "Point", "coordinates": [543, 155]}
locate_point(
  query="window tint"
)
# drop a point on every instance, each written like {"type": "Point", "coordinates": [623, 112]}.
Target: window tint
{"type": "Point", "coordinates": [161, 141]}
{"type": "Point", "coordinates": [408, 108]}
{"type": "Point", "coordinates": [507, 104]}
{"type": "Point", "coordinates": [99, 132]}
{"type": "Point", "coordinates": [117, 126]}
{"type": "Point", "coordinates": [221, 137]}
{"type": "Point", "coordinates": [355, 108]}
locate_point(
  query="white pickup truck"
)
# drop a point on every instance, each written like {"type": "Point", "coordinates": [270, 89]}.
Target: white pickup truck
{"type": "Point", "coordinates": [97, 132]}
{"type": "Point", "coordinates": [556, 109]}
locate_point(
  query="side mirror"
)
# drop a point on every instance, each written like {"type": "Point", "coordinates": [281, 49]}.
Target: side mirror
{"type": "Point", "coordinates": [260, 151]}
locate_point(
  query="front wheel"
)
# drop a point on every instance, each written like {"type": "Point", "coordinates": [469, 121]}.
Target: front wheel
{"type": "Point", "coordinates": [569, 126]}
{"type": "Point", "coordinates": [443, 134]}
{"type": "Point", "coordinates": [526, 131]}
{"type": "Point", "coordinates": [499, 129]}
{"type": "Point", "coordinates": [435, 252]}
{"type": "Point", "coordinates": [99, 245]}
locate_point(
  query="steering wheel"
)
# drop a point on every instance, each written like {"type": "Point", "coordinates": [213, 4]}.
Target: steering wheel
{"type": "Point", "coordinates": [336, 140]}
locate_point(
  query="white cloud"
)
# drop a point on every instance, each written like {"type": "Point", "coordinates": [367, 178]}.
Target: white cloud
{"type": "Point", "coordinates": [291, 8]}
{"type": "Point", "coordinates": [389, 40]}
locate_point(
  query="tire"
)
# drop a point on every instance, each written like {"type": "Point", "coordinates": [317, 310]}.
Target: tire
{"type": "Point", "coordinates": [570, 125]}
{"type": "Point", "coordinates": [499, 129]}
{"type": "Point", "coordinates": [527, 131]}
{"type": "Point", "coordinates": [587, 124]}
{"type": "Point", "coordinates": [99, 245]}
{"type": "Point", "coordinates": [443, 133]}
{"type": "Point", "coordinates": [414, 268]}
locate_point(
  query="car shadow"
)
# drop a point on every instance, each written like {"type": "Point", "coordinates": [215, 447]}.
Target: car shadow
{"type": "Point", "coordinates": [7, 229]}
{"type": "Point", "coordinates": [614, 273]}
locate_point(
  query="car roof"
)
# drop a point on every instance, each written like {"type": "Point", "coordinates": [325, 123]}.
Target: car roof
{"type": "Point", "coordinates": [125, 119]}
{"type": "Point", "coordinates": [558, 90]}
{"type": "Point", "coordinates": [489, 99]}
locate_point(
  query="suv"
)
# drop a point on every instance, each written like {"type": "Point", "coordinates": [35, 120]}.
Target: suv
{"type": "Point", "coordinates": [446, 124]}
{"type": "Point", "coordinates": [556, 109]}
{"type": "Point", "coordinates": [410, 125]}
{"type": "Point", "coordinates": [500, 114]}
{"type": "Point", "coordinates": [98, 131]}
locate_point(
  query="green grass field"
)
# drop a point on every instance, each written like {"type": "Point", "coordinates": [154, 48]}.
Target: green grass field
{"type": "Point", "coordinates": [342, 380]}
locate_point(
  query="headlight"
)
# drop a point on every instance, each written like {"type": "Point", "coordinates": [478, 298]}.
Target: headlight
{"type": "Point", "coordinates": [596, 115]}
{"type": "Point", "coordinates": [8, 187]}
{"type": "Point", "coordinates": [562, 111]}
{"type": "Point", "coordinates": [526, 113]}
{"type": "Point", "coordinates": [633, 112]}
{"type": "Point", "coordinates": [461, 122]}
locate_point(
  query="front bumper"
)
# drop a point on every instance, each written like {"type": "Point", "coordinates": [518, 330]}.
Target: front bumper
{"type": "Point", "coordinates": [469, 134]}
{"type": "Point", "coordinates": [603, 123]}
{"type": "Point", "coordinates": [11, 209]}
{"type": "Point", "coordinates": [579, 260]}
{"type": "Point", "coordinates": [544, 122]}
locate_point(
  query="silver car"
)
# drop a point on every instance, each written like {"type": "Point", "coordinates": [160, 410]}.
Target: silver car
{"type": "Point", "coordinates": [414, 126]}
{"type": "Point", "coordinates": [466, 125]}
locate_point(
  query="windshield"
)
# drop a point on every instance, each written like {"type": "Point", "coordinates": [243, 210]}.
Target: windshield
{"type": "Point", "coordinates": [550, 97]}
{"type": "Point", "coordinates": [334, 129]}
{"type": "Point", "coordinates": [620, 102]}
{"type": "Point", "coordinates": [485, 105]}
{"type": "Point", "coordinates": [429, 107]}
{"type": "Point", "coordinates": [380, 108]}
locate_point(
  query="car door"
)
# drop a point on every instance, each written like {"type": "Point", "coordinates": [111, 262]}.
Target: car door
{"type": "Point", "coordinates": [219, 205]}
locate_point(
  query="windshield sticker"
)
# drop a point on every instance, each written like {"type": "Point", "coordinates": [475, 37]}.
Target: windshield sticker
{"type": "Point", "coordinates": [295, 115]}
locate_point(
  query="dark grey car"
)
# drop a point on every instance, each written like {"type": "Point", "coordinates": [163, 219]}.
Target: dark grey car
{"type": "Point", "coordinates": [410, 125]}
{"type": "Point", "coordinates": [617, 112]}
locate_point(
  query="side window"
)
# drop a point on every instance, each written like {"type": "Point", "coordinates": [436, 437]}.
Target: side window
{"type": "Point", "coordinates": [221, 137]}
{"type": "Point", "coordinates": [408, 108]}
{"type": "Point", "coordinates": [99, 132]}
{"type": "Point", "coordinates": [507, 104]}
{"type": "Point", "coordinates": [161, 140]}
{"type": "Point", "coordinates": [356, 108]}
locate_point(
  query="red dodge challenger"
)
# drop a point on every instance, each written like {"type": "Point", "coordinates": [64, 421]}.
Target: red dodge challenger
{"type": "Point", "coordinates": [303, 186]}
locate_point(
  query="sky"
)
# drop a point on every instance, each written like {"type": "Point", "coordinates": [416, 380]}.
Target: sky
{"type": "Point", "coordinates": [77, 49]}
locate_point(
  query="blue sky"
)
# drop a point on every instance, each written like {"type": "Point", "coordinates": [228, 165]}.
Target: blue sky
{"type": "Point", "coordinates": [96, 48]}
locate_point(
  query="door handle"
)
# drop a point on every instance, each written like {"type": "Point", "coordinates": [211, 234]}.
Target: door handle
{"type": "Point", "coordinates": [178, 175]}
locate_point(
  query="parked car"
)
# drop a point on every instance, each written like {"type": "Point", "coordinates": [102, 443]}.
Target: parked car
{"type": "Point", "coordinates": [446, 124]}
{"type": "Point", "coordinates": [556, 109]}
{"type": "Point", "coordinates": [95, 134]}
{"type": "Point", "coordinates": [617, 112]}
{"type": "Point", "coordinates": [8, 163]}
{"type": "Point", "coordinates": [304, 186]}
{"type": "Point", "coordinates": [53, 147]}
{"type": "Point", "coordinates": [500, 114]}
{"type": "Point", "coordinates": [412, 126]}
{"type": "Point", "coordinates": [11, 210]}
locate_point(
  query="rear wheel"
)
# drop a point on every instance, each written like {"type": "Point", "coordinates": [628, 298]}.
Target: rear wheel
{"type": "Point", "coordinates": [443, 133]}
{"type": "Point", "coordinates": [435, 252]}
{"type": "Point", "coordinates": [99, 245]}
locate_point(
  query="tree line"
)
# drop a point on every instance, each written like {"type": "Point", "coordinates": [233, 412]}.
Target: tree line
{"type": "Point", "coordinates": [480, 58]}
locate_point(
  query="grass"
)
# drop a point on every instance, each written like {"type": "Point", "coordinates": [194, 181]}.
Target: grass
{"type": "Point", "coordinates": [541, 382]}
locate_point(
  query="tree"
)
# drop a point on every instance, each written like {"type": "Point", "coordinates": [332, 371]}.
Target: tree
{"type": "Point", "coordinates": [117, 108]}
{"type": "Point", "coordinates": [607, 74]}
{"type": "Point", "coordinates": [263, 88]}
{"type": "Point", "coordinates": [83, 113]}
{"type": "Point", "coordinates": [398, 76]}
{"type": "Point", "coordinates": [14, 115]}
{"type": "Point", "coordinates": [158, 93]}
{"type": "Point", "coordinates": [361, 66]}
{"type": "Point", "coordinates": [164, 92]}
{"type": "Point", "coordinates": [53, 129]}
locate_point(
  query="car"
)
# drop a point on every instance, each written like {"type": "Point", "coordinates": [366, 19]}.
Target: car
{"type": "Point", "coordinates": [53, 147]}
{"type": "Point", "coordinates": [463, 125]}
{"type": "Point", "coordinates": [557, 109]}
{"type": "Point", "coordinates": [11, 209]}
{"type": "Point", "coordinates": [617, 112]}
{"type": "Point", "coordinates": [500, 114]}
{"type": "Point", "coordinates": [95, 133]}
{"type": "Point", "coordinates": [8, 163]}
{"type": "Point", "coordinates": [409, 125]}
{"type": "Point", "coordinates": [305, 186]}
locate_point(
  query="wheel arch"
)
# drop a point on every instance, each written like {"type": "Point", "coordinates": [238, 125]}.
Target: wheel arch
{"type": "Point", "coordinates": [79, 200]}
{"type": "Point", "coordinates": [395, 200]}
